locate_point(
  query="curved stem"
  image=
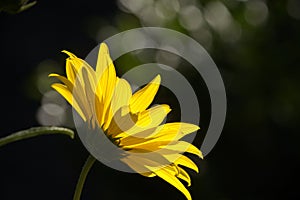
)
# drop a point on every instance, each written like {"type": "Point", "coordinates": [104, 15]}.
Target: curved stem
{"type": "Point", "coordinates": [36, 131]}
{"type": "Point", "coordinates": [84, 172]}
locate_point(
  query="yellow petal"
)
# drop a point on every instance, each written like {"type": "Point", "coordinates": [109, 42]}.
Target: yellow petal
{"type": "Point", "coordinates": [165, 175]}
{"type": "Point", "coordinates": [148, 174]}
{"type": "Point", "coordinates": [83, 79]}
{"type": "Point", "coordinates": [73, 66]}
{"type": "Point", "coordinates": [104, 60]}
{"type": "Point", "coordinates": [186, 162]}
{"type": "Point", "coordinates": [166, 132]}
{"type": "Point", "coordinates": [69, 54]}
{"type": "Point", "coordinates": [120, 98]}
{"type": "Point", "coordinates": [141, 100]}
{"type": "Point", "coordinates": [165, 138]}
{"type": "Point", "coordinates": [145, 144]}
{"type": "Point", "coordinates": [63, 80]}
{"type": "Point", "coordinates": [183, 146]}
{"type": "Point", "coordinates": [82, 92]}
{"type": "Point", "coordinates": [107, 83]}
{"type": "Point", "coordinates": [62, 89]}
{"type": "Point", "coordinates": [87, 78]}
{"type": "Point", "coordinates": [132, 142]}
{"type": "Point", "coordinates": [122, 95]}
{"type": "Point", "coordinates": [89, 88]}
{"type": "Point", "coordinates": [161, 147]}
{"type": "Point", "coordinates": [121, 122]}
{"type": "Point", "coordinates": [77, 92]}
{"type": "Point", "coordinates": [71, 69]}
{"type": "Point", "coordinates": [137, 165]}
{"type": "Point", "coordinates": [174, 131]}
{"type": "Point", "coordinates": [99, 107]}
{"type": "Point", "coordinates": [81, 64]}
{"type": "Point", "coordinates": [148, 119]}
{"type": "Point", "coordinates": [172, 169]}
{"type": "Point", "coordinates": [184, 175]}
{"type": "Point", "coordinates": [143, 162]}
{"type": "Point", "coordinates": [105, 72]}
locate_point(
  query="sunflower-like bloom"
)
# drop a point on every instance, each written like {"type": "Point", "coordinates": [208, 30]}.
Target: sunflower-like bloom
{"type": "Point", "coordinates": [105, 101]}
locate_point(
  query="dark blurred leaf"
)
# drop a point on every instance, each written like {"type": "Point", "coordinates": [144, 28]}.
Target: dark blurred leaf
{"type": "Point", "coordinates": [15, 6]}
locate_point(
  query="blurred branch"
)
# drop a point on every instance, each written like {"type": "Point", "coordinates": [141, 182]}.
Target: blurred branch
{"type": "Point", "coordinates": [36, 131]}
{"type": "Point", "coordinates": [15, 6]}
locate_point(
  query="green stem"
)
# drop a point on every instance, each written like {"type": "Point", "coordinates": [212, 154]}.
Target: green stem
{"type": "Point", "coordinates": [84, 172]}
{"type": "Point", "coordinates": [36, 131]}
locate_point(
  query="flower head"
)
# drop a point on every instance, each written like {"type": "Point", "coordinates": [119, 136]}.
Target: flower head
{"type": "Point", "coordinates": [105, 101]}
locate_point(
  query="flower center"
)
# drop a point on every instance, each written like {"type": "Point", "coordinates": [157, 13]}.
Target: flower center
{"type": "Point", "coordinates": [115, 141]}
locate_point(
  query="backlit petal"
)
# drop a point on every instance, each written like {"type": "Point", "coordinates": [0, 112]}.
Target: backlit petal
{"type": "Point", "coordinates": [120, 98]}
{"type": "Point", "coordinates": [184, 175]}
{"type": "Point", "coordinates": [165, 175]}
{"type": "Point", "coordinates": [62, 89]}
{"type": "Point", "coordinates": [186, 162]}
{"type": "Point", "coordinates": [63, 80]}
{"type": "Point", "coordinates": [141, 100]}
{"type": "Point", "coordinates": [183, 146]}
{"type": "Point", "coordinates": [174, 131]}
{"type": "Point", "coordinates": [150, 118]}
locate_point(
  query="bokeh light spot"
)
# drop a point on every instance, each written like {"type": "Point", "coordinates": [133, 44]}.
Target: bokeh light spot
{"type": "Point", "coordinates": [190, 17]}
{"type": "Point", "coordinates": [256, 12]}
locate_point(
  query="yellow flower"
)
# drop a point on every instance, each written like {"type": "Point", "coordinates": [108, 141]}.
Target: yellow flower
{"type": "Point", "coordinates": [104, 100]}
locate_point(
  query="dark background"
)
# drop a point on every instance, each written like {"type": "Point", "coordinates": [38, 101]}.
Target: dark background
{"type": "Point", "coordinates": [257, 156]}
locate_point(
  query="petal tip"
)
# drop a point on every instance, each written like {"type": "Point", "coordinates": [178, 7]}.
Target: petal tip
{"type": "Point", "coordinates": [52, 75]}
{"type": "Point", "coordinates": [103, 48]}
{"type": "Point", "coordinates": [157, 79]}
{"type": "Point", "coordinates": [68, 53]}
{"type": "Point", "coordinates": [201, 155]}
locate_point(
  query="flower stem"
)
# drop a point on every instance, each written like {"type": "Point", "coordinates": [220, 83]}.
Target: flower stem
{"type": "Point", "coordinates": [36, 131]}
{"type": "Point", "coordinates": [84, 172]}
